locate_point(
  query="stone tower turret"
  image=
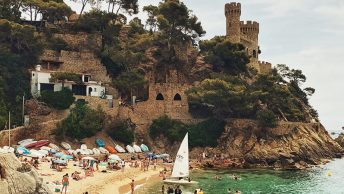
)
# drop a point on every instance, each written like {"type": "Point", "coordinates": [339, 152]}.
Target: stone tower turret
{"type": "Point", "coordinates": [249, 36]}
{"type": "Point", "coordinates": [233, 13]}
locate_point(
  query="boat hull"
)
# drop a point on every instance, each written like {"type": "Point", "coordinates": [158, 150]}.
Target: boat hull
{"type": "Point", "coordinates": [179, 182]}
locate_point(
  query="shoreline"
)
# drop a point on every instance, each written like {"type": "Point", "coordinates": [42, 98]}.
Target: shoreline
{"type": "Point", "coordinates": [110, 182]}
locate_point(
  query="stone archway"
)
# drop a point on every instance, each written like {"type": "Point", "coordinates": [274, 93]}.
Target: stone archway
{"type": "Point", "coordinates": [159, 97]}
{"type": "Point", "coordinates": [177, 97]}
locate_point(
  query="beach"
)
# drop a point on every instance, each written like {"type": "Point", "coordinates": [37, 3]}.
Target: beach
{"type": "Point", "coordinates": [109, 182]}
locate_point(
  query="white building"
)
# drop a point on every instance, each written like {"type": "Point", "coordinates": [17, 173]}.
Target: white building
{"type": "Point", "coordinates": [40, 81]}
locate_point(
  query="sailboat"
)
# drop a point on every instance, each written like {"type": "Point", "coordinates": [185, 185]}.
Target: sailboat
{"type": "Point", "coordinates": [180, 172]}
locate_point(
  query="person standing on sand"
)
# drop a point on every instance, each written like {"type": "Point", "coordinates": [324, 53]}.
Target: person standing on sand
{"type": "Point", "coordinates": [65, 183]}
{"type": "Point", "coordinates": [169, 190]}
{"type": "Point", "coordinates": [122, 165]}
{"type": "Point", "coordinates": [132, 186]}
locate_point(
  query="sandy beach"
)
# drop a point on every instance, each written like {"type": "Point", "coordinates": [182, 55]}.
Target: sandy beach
{"type": "Point", "coordinates": [110, 182]}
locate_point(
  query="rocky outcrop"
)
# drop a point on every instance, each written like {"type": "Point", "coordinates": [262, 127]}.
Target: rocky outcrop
{"type": "Point", "coordinates": [19, 179]}
{"type": "Point", "coordinates": [288, 146]}
{"type": "Point", "coordinates": [340, 139]}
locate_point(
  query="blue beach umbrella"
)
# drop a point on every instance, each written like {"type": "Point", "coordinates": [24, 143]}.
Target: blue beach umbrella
{"type": "Point", "coordinates": [66, 157]}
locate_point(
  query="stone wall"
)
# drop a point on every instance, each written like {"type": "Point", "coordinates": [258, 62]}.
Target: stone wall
{"type": "Point", "coordinates": [95, 102]}
{"type": "Point", "coordinates": [41, 131]}
{"type": "Point", "coordinates": [265, 67]}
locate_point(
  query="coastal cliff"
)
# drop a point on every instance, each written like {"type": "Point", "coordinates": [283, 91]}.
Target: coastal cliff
{"type": "Point", "coordinates": [19, 178]}
{"type": "Point", "coordinates": [288, 145]}
{"type": "Point", "coordinates": [244, 144]}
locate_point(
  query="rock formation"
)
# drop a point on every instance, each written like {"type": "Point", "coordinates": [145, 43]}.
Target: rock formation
{"type": "Point", "coordinates": [289, 145]}
{"type": "Point", "coordinates": [340, 139]}
{"type": "Point", "coordinates": [17, 178]}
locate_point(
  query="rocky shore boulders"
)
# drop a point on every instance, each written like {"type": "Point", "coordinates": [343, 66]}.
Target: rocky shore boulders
{"type": "Point", "coordinates": [18, 178]}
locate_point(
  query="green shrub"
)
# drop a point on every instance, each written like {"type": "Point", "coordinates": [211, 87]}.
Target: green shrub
{"type": "Point", "coordinates": [122, 131]}
{"type": "Point", "coordinates": [205, 133]}
{"type": "Point", "coordinates": [82, 122]}
{"type": "Point", "coordinates": [60, 100]}
{"type": "Point", "coordinates": [173, 130]}
{"type": "Point", "coordinates": [267, 118]}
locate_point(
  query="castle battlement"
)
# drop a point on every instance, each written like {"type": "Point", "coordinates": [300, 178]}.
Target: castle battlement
{"type": "Point", "coordinates": [264, 63]}
{"type": "Point", "coordinates": [233, 9]}
{"type": "Point", "coordinates": [264, 67]}
{"type": "Point", "coordinates": [249, 26]}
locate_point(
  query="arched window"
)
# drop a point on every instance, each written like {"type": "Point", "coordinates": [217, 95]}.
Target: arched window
{"type": "Point", "coordinates": [177, 97]}
{"type": "Point", "coordinates": [159, 97]}
{"type": "Point", "coordinates": [254, 53]}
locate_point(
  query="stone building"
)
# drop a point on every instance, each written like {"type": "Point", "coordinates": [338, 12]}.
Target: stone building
{"type": "Point", "coordinates": [245, 33]}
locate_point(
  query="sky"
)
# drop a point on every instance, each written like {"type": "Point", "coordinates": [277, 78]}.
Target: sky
{"type": "Point", "coordinates": [304, 34]}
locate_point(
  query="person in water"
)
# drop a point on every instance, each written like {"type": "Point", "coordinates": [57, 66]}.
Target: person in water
{"type": "Point", "coordinates": [65, 183]}
{"type": "Point", "coordinates": [234, 177]}
{"type": "Point", "coordinates": [237, 191]}
{"type": "Point", "coordinates": [229, 191]}
{"type": "Point", "coordinates": [178, 190]}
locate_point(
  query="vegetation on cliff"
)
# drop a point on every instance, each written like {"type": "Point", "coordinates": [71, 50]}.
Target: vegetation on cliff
{"type": "Point", "coordinates": [233, 90]}
{"type": "Point", "coordinates": [204, 134]}
{"type": "Point", "coordinates": [82, 122]}
{"type": "Point", "coordinates": [59, 100]}
{"type": "Point", "coordinates": [130, 51]}
{"type": "Point", "coordinates": [122, 131]}
{"type": "Point", "coordinates": [19, 50]}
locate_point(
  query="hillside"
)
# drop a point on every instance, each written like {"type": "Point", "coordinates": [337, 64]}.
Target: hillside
{"type": "Point", "coordinates": [96, 74]}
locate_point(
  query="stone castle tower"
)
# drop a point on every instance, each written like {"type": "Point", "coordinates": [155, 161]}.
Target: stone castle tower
{"type": "Point", "coordinates": [245, 33]}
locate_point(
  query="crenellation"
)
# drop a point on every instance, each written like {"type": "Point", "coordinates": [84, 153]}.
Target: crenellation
{"type": "Point", "coordinates": [265, 67]}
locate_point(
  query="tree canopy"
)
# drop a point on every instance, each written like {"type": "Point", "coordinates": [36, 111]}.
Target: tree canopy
{"type": "Point", "coordinates": [19, 51]}
{"type": "Point", "coordinates": [82, 122]}
{"type": "Point", "coordinates": [225, 56]}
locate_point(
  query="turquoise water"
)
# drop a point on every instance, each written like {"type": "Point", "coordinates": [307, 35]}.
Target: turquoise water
{"type": "Point", "coordinates": [311, 181]}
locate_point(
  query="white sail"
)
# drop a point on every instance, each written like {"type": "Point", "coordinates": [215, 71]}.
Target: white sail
{"type": "Point", "coordinates": [181, 164]}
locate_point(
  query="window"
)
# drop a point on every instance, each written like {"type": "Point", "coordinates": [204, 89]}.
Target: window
{"type": "Point", "coordinates": [254, 53]}
{"type": "Point", "coordinates": [159, 97]}
{"type": "Point", "coordinates": [95, 89]}
{"type": "Point", "coordinates": [177, 97]}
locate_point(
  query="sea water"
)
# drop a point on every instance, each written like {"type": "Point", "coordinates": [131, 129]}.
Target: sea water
{"type": "Point", "coordinates": [324, 179]}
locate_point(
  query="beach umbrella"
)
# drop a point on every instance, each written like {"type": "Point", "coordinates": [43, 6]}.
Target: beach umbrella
{"type": "Point", "coordinates": [88, 158]}
{"type": "Point", "coordinates": [114, 157]}
{"type": "Point", "coordinates": [59, 161]}
{"type": "Point", "coordinates": [52, 151]}
{"type": "Point", "coordinates": [103, 164]}
{"type": "Point", "coordinates": [59, 154]}
{"type": "Point", "coordinates": [66, 157]}
{"type": "Point", "coordinates": [150, 155]}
